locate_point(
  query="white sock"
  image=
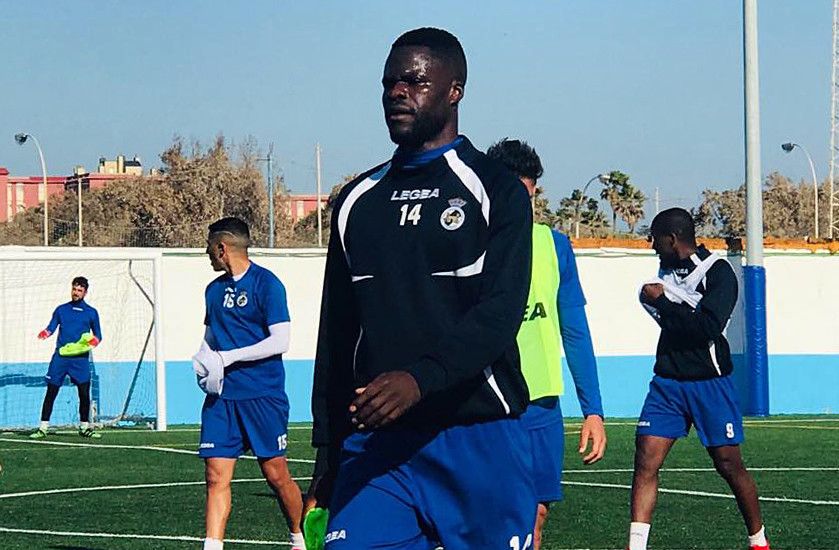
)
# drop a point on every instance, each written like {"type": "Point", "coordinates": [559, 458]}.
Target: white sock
{"type": "Point", "coordinates": [759, 538]}
{"type": "Point", "coordinates": [638, 535]}
{"type": "Point", "coordinates": [83, 426]}
{"type": "Point", "coordinates": [45, 424]}
{"type": "Point", "coordinates": [297, 541]}
{"type": "Point", "coordinates": [213, 544]}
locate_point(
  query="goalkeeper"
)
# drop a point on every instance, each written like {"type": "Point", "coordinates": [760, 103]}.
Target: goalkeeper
{"type": "Point", "coordinates": [78, 333]}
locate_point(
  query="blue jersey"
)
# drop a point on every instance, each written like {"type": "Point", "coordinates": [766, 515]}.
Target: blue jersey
{"type": "Point", "coordinates": [238, 315]}
{"type": "Point", "coordinates": [72, 320]}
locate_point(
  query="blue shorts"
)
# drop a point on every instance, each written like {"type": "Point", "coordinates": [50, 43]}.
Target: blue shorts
{"type": "Point", "coordinates": [77, 368]}
{"type": "Point", "coordinates": [672, 406]}
{"type": "Point", "coordinates": [466, 487]}
{"type": "Point", "coordinates": [229, 428]}
{"type": "Point", "coordinates": [543, 422]}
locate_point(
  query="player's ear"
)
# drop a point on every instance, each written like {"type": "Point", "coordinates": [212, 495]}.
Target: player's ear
{"type": "Point", "coordinates": [456, 92]}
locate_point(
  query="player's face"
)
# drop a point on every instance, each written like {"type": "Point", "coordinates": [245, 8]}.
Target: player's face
{"type": "Point", "coordinates": [665, 246]}
{"type": "Point", "coordinates": [77, 293]}
{"type": "Point", "coordinates": [419, 96]}
{"type": "Point", "coordinates": [215, 251]}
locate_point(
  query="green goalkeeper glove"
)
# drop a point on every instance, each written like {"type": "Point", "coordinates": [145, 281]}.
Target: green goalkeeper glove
{"type": "Point", "coordinates": [84, 344]}
{"type": "Point", "coordinates": [314, 528]}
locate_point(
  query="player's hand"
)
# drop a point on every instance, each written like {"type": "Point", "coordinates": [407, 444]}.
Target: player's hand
{"type": "Point", "coordinates": [94, 342]}
{"type": "Point", "coordinates": [210, 370]}
{"type": "Point", "coordinates": [651, 292]}
{"type": "Point", "coordinates": [384, 400]}
{"type": "Point", "coordinates": [594, 431]}
{"type": "Point", "coordinates": [44, 334]}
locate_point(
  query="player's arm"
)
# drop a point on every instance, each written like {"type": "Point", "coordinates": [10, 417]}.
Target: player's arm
{"type": "Point", "coordinates": [579, 351]}
{"type": "Point", "coordinates": [55, 320]}
{"type": "Point", "coordinates": [708, 320]}
{"type": "Point", "coordinates": [332, 391]}
{"type": "Point", "coordinates": [277, 342]}
{"type": "Point", "coordinates": [96, 328]}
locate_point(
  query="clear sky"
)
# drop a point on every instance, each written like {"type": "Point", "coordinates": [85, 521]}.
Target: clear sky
{"type": "Point", "coordinates": [649, 87]}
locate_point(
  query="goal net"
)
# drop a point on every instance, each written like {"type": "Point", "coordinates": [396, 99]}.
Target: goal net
{"type": "Point", "coordinates": [124, 367]}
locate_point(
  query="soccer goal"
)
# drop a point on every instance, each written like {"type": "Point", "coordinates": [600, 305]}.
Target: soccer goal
{"type": "Point", "coordinates": [128, 374]}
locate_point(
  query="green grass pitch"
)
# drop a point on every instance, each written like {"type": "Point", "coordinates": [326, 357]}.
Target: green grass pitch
{"type": "Point", "coordinates": [143, 490]}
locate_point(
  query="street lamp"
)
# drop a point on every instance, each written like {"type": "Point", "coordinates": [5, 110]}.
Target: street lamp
{"type": "Point", "coordinates": [788, 147]}
{"type": "Point", "coordinates": [21, 139]}
{"type": "Point", "coordinates": [604, 178]}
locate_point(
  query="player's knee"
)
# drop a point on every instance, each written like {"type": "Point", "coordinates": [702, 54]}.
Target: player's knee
{"type": "Point", "coordinates": [729, 467]}
{"type": "Point", "coordinates": [646, 464]}
{"type": "Point", "coordinates": [216, 479]}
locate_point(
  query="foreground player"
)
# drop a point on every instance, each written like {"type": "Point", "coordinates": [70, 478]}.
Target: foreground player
{"type": "Point", "coordinates": [240, 366]}
{"type": "Point", "coordinates": [78, 333]}
{"type": "Point", "coordinates": [417, 372]}
{"type": "Point", "coordinates": [555, 319]}
{"type": "Point", "coordinates": [692, 301]}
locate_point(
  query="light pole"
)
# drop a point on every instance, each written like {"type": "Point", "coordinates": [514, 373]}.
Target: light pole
{"type": "Point", "coordinates": [604, 178]}
{"type": "Point", "coordinates": [21, 139]}
{"type": "Point", "coordinates": [788, 147]}
{"type": "Point", "coordinates": [270, 159]}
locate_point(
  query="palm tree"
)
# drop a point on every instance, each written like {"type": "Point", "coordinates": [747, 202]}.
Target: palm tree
{"type": "Point", "coordinates": [611, 193]}
{"type": "Point", "coordinates": [631, 205]}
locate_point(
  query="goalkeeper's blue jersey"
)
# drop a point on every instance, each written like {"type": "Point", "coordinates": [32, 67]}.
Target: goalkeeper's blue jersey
{"type": "Point", "coordinates": [72, 320]}
{"type": "Point", "coordinates": [238, 314]}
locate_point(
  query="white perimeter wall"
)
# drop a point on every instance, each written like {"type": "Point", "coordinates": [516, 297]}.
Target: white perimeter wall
{"type": "Point", "coordinates": [802, 298]}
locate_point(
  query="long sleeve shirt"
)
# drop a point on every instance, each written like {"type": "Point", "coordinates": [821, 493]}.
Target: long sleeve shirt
{"type": "Point", "coordinates": [427, 272]}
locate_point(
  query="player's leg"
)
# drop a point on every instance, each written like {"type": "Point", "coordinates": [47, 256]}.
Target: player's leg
{"type": "Point", "coordinates": [544, 424]}
{"type": "Point", "coordinates": [372, 504]}
{"type": "Point", "coordinates": [288, 494]}
{"type": "Point", "coordinates": [475, 483]}
{"type": "Point", "coordinates": [719, 426]}
{"type": "Point", "coordinates": [46, 411]}
{"type": "Point", "coordinates": [218, 473]}
{"type": "Point", "coordinates": [85, 429]}
{"type": "Point", "coordinates": [264, 423]}
{"type": "Point", "coordinates": [663, 419]}
{"type": "Point", "coordinates": [221, 444]}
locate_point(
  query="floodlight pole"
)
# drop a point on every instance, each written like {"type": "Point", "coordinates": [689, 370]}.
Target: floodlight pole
{"type": "Point", "coordinates": [21, 139]}
{"type": "Point", "coordinates": [604, 178]}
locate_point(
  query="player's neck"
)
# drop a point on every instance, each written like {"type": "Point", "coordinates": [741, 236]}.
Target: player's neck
{"type": "Point", "coordinates": [238, 266]}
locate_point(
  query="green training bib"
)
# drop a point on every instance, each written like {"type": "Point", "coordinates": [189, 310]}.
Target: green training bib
{"type": "Point", "coordinates": [539, 339]}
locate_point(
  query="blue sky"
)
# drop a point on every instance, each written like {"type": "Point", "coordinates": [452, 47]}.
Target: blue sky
{"type": "Point", "coordinates": [652, 88]}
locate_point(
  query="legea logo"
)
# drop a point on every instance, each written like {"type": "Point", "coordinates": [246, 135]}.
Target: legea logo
{"type": "Point", "coordinates": [335, 535]}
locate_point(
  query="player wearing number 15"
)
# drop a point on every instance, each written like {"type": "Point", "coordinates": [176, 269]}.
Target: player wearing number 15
{"type": "Point", "coordinates": [240, 367]}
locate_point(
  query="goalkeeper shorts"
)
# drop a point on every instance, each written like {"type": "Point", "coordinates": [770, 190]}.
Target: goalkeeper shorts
{"type": "Point", "coordinates": [77, 368]}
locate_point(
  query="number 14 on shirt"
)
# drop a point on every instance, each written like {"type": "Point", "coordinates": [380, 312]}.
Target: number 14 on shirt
{"type": "Point", "coordinates": [410, 214]}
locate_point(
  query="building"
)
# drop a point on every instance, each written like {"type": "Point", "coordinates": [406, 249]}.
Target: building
{"type": "Point", "coordinates": [300, 206]}
{"type": "Point", "coordinates": [119, 165]}
{"type": "Point", "coordinates": [17, 193]}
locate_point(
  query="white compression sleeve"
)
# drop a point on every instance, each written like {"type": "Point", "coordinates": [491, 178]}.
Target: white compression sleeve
{"type": "Point", "coordinates": [276, 343]}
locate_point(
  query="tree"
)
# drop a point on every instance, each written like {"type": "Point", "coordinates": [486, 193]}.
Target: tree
{"type": "Point", "coordinates": [542, 212]}
{"type": "Point", "coordinates": [611, 193]}
{"type": "Point", "coordinates": [631, 205]}
{"type": "Point", "coordinates": [196, 187]}
{"type": "Point", "coordinates": [583, 209]}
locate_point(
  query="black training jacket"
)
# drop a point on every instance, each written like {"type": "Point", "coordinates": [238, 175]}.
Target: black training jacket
{"type": "Point", "coordinates": [692, 345]}
{"type": "Point", "coordinates": [427, 272]}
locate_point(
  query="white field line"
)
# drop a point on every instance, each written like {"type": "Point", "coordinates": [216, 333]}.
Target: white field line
{"type": "Point", "coordinates": [706, 494]}
{"type": "Point", "coordinates": [131, 447]}
{"type": "Point", "coordinates": [747, 422]}
{"type": "Point", "coordinates": [127, 487]}
{"type": "Point", "coordinates": [750, 468]}
{"type": "Point", "coordinates": [182, 538]}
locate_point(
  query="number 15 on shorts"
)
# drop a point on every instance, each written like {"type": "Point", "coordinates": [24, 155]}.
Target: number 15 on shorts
{"type": "Point", "coordinates": [282, 442]}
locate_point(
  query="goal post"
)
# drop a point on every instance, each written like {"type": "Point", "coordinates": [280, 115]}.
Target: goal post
{"type": "Point", "coordinates": [128, 368]}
